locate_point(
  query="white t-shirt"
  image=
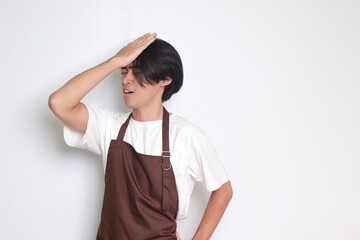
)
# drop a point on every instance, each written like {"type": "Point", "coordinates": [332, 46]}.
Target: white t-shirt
{"type": "Point", "coordinates": [193, 157]}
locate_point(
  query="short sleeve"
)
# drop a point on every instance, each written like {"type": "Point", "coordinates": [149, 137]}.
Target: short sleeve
{"type": "Point", "coordinates": [205, 165]}
{"type": "Point", "coordinates": [97, 131]}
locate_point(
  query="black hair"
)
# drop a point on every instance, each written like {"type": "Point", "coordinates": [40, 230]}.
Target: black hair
{"type": "Point", "coordinates": [159, 61]}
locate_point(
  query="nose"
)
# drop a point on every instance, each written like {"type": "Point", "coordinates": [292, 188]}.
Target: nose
{"type": "Point", "coordinates": [128, 77]}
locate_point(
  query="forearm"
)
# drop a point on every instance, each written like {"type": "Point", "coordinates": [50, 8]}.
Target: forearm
{"type": "Point", "coordinates": [214, 211]}
{"type": "Point", "coordinates": [69, 95]}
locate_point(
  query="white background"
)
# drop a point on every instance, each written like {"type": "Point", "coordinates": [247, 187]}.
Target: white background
{"type": "Point", "coordinates": [275, 84]}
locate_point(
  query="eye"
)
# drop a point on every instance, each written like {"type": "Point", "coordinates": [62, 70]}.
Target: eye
{"type": "Point", "coordinates": [124, 70]}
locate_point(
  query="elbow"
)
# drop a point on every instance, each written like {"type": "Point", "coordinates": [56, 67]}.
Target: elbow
{"type": "Point", "coordinates": [56, 104]}
{"type": "Point", "coordinates": [53, 102]}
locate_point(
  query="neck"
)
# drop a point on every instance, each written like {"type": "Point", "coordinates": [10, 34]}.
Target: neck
{"type": "Point", "coordinates": [148, 113]}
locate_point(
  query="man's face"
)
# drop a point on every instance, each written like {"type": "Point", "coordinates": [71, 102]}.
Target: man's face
{"type": "Point", "coordinates": [139, 97]}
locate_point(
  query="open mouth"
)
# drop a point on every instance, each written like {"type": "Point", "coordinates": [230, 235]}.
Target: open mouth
{"type": "Point", "coordinates": [128, 92]}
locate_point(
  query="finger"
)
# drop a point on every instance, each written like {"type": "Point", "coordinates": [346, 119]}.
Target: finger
{"type": "Point", "coordinates": [140, 39]}
{"type": "Point", "coordinates": [148, 37]}
{"type": "Point", "coordinates": [153, 35]}
{"type": "Point", "coordinates": [145, 44]}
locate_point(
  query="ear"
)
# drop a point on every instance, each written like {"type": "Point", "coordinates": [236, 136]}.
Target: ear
{"type": "Point", "coordinates": [165, 82]}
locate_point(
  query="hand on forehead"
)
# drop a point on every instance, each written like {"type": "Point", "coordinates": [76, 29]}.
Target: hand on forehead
{"type": "Point", "coordinates": [132, 65]}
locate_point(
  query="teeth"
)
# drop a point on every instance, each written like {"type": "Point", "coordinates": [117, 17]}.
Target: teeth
{"type": "Point", "coordinates": [127, 91]}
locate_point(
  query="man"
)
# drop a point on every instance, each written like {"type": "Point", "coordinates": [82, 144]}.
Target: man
{"type": "Point", "coordinates": [152, 158]}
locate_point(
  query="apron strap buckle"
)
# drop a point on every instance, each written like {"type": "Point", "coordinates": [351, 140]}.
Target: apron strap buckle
{"type": "Point", "coordinates": [162, 165]}
{"type": "Point", "coordinates": [166, 154]}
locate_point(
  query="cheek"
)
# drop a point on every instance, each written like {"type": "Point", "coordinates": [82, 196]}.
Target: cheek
{"type": "Point", "coordinates": [148, 94]}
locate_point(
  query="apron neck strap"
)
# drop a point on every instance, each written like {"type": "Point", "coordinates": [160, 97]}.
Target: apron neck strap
{"type": "Point", "coordinates": [165, 132]}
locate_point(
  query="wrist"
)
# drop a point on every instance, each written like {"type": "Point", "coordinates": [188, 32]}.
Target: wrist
{"type": "Point", "coordinates": [116, 62]}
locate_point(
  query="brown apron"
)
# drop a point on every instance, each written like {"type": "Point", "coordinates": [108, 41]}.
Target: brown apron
{"type": "Point", "coordinates": [140, 197]}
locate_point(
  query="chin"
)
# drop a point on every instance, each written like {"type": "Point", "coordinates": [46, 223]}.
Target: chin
{"type": "Point", "coordinates": [129, 105]}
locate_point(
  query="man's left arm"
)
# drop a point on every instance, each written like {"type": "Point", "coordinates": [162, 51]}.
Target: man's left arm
{"type": "Point", "coordinates": [218, 202]}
